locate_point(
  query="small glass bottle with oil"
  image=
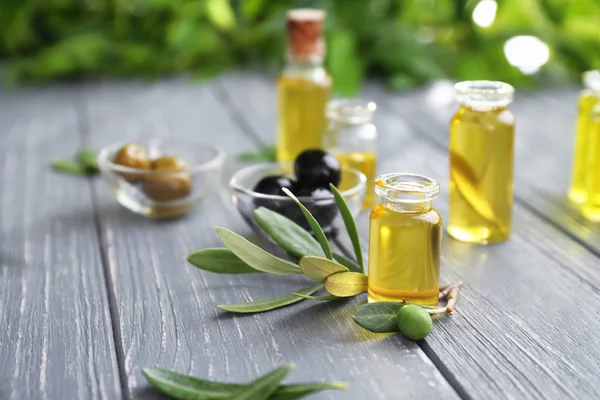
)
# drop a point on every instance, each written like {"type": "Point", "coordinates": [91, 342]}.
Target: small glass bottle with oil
{"type": "Point", "coordinates": [591, 205]}
{"type": "Point", "coordinates": [304, 87]}
{"type": "Point", "coordinates": [589, 98]}
{"type": "Point", "coordinates": [481, 163]}
{"type": "Point", "coordinates": [405, 235]}
{"type": "Point", "coordinates": [352, 138]}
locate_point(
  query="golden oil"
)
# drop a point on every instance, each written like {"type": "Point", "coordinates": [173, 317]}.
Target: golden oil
{"type": "Point", "coordinates": [481, 163]}
{"type": "Point", "coordinates": [589, 98]}
{"type": "Point", "coordinates": [405, 234]}
{"type": "Point", "coordinates": [591, 206]}
{"type": "Point", "coordinates": [352, 138]}
{"type": "Point", "coordinates": [304, 87]}
{"type": "Point", "coordinates": [302, 120]}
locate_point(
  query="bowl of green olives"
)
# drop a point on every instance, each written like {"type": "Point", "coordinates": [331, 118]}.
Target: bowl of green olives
{"type": "Point", "coordinates": [160, 177]}
{"type": "Point", "coordinates": [308, 177]}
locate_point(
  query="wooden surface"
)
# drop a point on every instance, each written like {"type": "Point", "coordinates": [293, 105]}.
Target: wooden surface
{"type": "Point", "coordinates": [91, 293]}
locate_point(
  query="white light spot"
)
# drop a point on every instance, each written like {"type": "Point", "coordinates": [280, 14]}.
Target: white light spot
{"type": "Point", "coordinates": [484, 13]}
{"type": "Point", "coordinates": [527, 53]}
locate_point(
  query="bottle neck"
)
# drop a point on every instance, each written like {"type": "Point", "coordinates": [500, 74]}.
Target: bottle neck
{"type": "Point", "coordinates": [407, 207]}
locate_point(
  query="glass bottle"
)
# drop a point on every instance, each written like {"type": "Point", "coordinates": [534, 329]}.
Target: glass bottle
{"type": "Point", "coordinates": [481, 163]}
{"type": "Point", "coordinates": [405, 234]}
{"type": "Point", "coordinates": [304, 86]}
{"type": "Point", "coordinates": [352, 138]}
{"type": "Point", "coordinates": [589, 97]}
{"type": "Point", "coordinates": [591, 206]}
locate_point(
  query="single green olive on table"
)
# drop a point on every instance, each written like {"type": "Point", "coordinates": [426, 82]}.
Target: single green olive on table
{"type": "Point", "coordinates": [339, 276]}
{"type": "Point", "coordinates": [266, 387]}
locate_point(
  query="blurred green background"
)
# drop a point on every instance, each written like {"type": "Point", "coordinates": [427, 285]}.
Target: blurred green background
{"type": "Point", "coordinates": [403, 42]}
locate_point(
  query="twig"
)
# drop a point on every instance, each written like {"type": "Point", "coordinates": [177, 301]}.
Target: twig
{"type": "Point", "coordinates": [448, 292]}
{"type": "Point", "coordinates": [452, 296]}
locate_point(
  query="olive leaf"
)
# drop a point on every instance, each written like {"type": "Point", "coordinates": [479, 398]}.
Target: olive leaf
{"type": "Point", "coordinates": [288, 235]}
{"type": "Point", "coordinates": [379, 317]}
{"type": "Point", "coordinates": [181, 386]}
{"type": "Point", "coordinates": [316, 298]}
{"type": "Point", "coordinates": [319, 268]}
{"type": "Point", "coordinates": [266, 154]}
{"type": "Point", "coordinates": [350, 225]}
{"type": "Point", "coordinates": [254, 256]}
{"type": "Point", "coordinates": [263, 387]}
{"type": "Point", "coordinates": [268, 304]}
{"type": "Point", "coordinates": [221, 261]}
{"type": "Point", "coordinates": [68, 167]}
{"type": "Point", "coordinates": [346, 284]}
{"type": "Point", "coordinates": [346, 262]}
{"type": "Point", "coordinates": [316, 228]}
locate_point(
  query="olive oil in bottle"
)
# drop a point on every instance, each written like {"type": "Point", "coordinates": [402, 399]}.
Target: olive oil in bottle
{"type": "Point", "coordinates": [405, 240]}
{"type": "Point", "coordinates": [304, 87]}
{"type": "Point", "coordinates": [590, 97]}
{"type": "Point", "coordinates": [352, 138]}
{"type": "Point", "coordinates": [591, 206]}
{"type": "Point", "coordinates": [481, 163]}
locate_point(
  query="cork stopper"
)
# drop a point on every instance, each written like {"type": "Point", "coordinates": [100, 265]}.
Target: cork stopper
{"type": "Point", "coordinates": [305, 33]}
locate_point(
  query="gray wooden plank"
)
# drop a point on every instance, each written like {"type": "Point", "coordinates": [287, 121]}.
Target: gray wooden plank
{"type": "Point", "coordinates": [57, 340]}
{"type": "Point", "coordinates": [166, 308]}
{"type": "Point", "coordinates": [508, 337]}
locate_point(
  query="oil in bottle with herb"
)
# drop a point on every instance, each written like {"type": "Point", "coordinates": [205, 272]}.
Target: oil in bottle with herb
{"type": "Point", "coordinates": [591, 206]}
{"type": "Point", "coordinates": [481, 163]}
{"type": "Point", "coordinates": [405, 233]}
{"type": "Point", "coordinates": [589, 98]}
{"type": "Point", "coordinates": [304, 86]}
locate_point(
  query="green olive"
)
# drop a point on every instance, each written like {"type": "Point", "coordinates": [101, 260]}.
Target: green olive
{"type": "Point", "coordinates": [163, 185]}
{"type": "Point", "coordinates": [414, 322]}
{"type": "Point", "coordinates": [133, 156]}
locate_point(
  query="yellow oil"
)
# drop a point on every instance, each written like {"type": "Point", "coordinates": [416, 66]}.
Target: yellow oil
{"type": "Point", "coordinates": [365, 162]}
{"type": "Point", "coordinates": [404, 255]}
{"type": "Point", "coordinates": [302, 120]}
{"type": "Point", "coordinates": [577, 193]}
{"type": "Point", "coordinates": [481, 175]}
{"type": "Point", "coordinates": [591, 207]}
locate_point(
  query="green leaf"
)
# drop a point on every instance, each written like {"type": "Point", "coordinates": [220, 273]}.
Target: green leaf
{"type": "Point", "coordinates": [319, 268]}
{"type": "Point", "coordinates": [290, 236]}
{"type": "Point", "coordinates": [186, 387]}
{"type": "Point", "coordinates": [221, 261]}
{"type": "Point", "coordinates": [346, 284]}
{"type": "Point", "coordinates": [378, 317]}
{"type": "Point", "coordinates": [263, 387]}
{"type": "Point", "coordinates": [220, 13]}
{"type": "Point", "coordinates": [68, 167]}
{"type": "Point", "coordinates": [317, 298]}
{"type": "Point", "coordinates": [89, 160]}
{"type": "Point", "coordinates": [345, 261]}
{"type": "Point", "coordinates": [316, 228]}
{"type": "Point", "coordinates": [268, 304]}
{"type": "Point", "coordinates": [350, 225]}
{"type": "Point", "coordinates": [254, 256]}
{"type": "Point", "coordinates": [268, 154]}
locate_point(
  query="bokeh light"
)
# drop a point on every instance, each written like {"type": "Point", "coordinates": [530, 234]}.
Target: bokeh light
{"type": "Point", "coordinates": [484, 13]}
{"type": "Point", "coordinates": [528, 53]}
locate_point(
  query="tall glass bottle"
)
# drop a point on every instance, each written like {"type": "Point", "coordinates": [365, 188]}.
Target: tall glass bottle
{"type": "Point", "coordinates": [304, 87]}
{"type": "Point", "coordinates": [481, 163]}
{"type": "Point", "coordinates": [591, 205]}
{"type": "Point", "coordinates": [589, 97]}
{"type": "Point", "coordinates": [405, 234]}
{"type": "Point", "coordinates": [352, 138]}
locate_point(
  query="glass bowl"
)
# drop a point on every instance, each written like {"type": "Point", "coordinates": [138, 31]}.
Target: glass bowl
{"type": "Point", "coordinates": [325, 211]}
{"type": "Point", "coordinates": [138, 189]}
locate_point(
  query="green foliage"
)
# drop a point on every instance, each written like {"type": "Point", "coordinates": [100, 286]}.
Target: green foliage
{"type": "Point", "coordinates": [406, 42]}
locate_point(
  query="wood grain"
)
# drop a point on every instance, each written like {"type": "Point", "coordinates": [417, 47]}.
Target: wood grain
{"type": "Point", "coordinates": [166, 309]}
{"type": "Point", "coordinates": [524, 321]}
{"type": "Point", "coordinates": [56, 340]}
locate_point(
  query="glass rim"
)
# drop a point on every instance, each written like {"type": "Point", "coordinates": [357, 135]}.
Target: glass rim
{"type": "Point", "coordinates": [404, 187]}
{"type": "Point", "coordinates": [350, 110]}
{"type": "Point", "coordinates": [484, 94]}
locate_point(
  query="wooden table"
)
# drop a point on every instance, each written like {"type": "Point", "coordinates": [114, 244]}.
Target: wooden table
{"type": "Point", "coordinates": [91, 293]}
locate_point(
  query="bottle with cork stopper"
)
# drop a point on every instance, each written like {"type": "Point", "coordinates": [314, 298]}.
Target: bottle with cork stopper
{"type": "Point", "coordinates": [304, 86]}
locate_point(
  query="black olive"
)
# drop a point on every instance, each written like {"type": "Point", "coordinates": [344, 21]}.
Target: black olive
{"type": "Point", "coordinates": [324, 209]}
{"type": "Point", "coordinates": [273, 185]}
{"type": "Point", "coordinates": [317, 168]}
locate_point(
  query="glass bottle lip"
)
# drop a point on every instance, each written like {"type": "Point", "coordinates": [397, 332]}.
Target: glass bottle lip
{"type": "Point", "coordinates": [351, 111]}
{"type": "Point", "coordinates": [406, 187]}
{"type": "Point", "coordinates": [591, 79]}
{"type": "Point", "coordinates": [484, 94]}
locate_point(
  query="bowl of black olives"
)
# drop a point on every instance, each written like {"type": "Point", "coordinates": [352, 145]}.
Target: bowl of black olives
{"type": "Point", "coordinates": [308, 178]}
{"type": "Point", "coordinates": [160, 177]}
